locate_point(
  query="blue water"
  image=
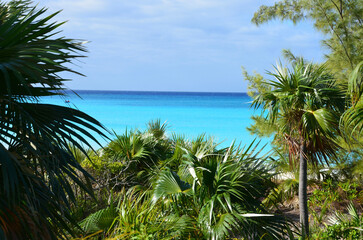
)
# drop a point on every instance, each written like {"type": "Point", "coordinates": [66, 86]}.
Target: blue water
{"type": "Point", "coordinates": [224, 116]}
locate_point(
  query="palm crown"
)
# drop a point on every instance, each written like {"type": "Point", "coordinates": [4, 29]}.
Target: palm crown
{"type": "Point", "coordinates": [306, 103]}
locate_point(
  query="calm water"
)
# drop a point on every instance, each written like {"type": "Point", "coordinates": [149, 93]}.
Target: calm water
{"type": "Point", "coordinates": [222, 115]}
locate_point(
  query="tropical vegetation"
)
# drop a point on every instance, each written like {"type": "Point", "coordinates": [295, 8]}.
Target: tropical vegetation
{"type": "Point", "coordinates": [305, 103]}
{"type": "Point", "coordinates": [153, 184]}
{"type": "Point", "coordinates": [340, 121]}
{"type": "Point", "coordinates": [209, 193]}
{"type": "Point", "coordinates": [37, 166]}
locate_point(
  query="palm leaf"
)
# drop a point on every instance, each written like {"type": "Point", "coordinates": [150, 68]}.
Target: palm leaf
{"type": "Point", "coordinates": [37, 166]}
{"type": "Point", "coordinates": [352, 120]}
{"type": "Point", "coordinates": [100, 220]}
{"type": "Point", "coordinates": [169, 183]}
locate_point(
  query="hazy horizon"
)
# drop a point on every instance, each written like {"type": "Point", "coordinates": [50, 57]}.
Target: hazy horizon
{"type": "Point", "coordinates": [156, 91]}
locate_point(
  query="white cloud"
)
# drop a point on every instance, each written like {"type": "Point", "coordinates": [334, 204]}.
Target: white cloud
{"type": "Point", "coordinates": [194, 33]}
{"type": "Point", "coordinates": [73, 7]}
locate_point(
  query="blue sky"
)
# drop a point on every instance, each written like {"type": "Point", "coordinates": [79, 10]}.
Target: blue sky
{"type": "Point", "coordinates": [177, 45]}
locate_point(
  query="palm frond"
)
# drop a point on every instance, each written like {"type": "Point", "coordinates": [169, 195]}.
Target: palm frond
{"type": "Point", "coordinates": [352, 120]}
{"type": "Point", "coordinates": [169, 184]}
{"type": "Point", "coordinates": [37, 166]}
{"type": "Point", "coordinates": [101, 220]}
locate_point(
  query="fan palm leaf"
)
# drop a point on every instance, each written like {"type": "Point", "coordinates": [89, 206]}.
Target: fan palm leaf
{"type": "Point", "coordinates": [127, 147]}
{"type": "Point", "coordinates": [37, 167]}
{"type": "Point", "coordinates": [101, 220]}
{"type": "Point", "coordinates": [169, 183]}
{"type": "Point", "coordinates": [217, 189]}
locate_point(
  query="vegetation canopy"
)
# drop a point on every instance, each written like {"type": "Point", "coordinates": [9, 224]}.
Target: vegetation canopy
{"type": "Point", "coordinates": [152, 185]}
{"type": "Point", "coordinates": [341, 21]}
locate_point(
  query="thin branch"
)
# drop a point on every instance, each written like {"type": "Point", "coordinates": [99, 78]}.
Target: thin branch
{"type": "Point", "coordinates": [336, 34]}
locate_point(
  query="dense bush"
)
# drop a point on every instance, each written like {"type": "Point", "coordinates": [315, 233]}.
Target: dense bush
{"type": "Point", "coordinates": [343, 227]}
{"type": "Point", "coordinates": [173, 188]}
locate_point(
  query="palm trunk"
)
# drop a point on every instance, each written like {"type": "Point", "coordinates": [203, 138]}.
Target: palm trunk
{"type": "Point", "coordinates": [303, 199]}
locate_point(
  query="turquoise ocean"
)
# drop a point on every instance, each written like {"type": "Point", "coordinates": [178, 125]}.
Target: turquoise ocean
{"type": "Point", "coordinates": [224, 116]}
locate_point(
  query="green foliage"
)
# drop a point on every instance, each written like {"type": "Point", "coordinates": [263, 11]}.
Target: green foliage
{"type": "Point", "coordinates": [320, 201]}
{"type": "Point", "coordinates": [157, 129]}
{"type": "Point", "coordinates": [136, 217]}
{"type": "Point", "coordinates": [284, 191]}
{"type": "Point", "coordinates": [340, 20]}
{"type": "Point", "coordinates": [347, 166]}
{"type": "Point", "coordinates": [349, 189]}
{"type": "Point", "coordinates": [37, 167]}
{"type": "Point", "coordinates": [129, 146]}
{"type": "Point", "coordinates": [169, 183]}
{"type": "Point", "coordinates": [101, 220]}
{"type": "Point", "coordinates": [343, 227]}
{"type": "Point", "coordinates": [201, 192]}
{"type": "Point", "coordinates": [256, 83]}
{"type": "Point", "coordinates": [262, 128]}
{"type": "Point", "coordinates": [31, 54]}
{"type": "Point", "coordinates": [131, 158]}
{"type": "Point", "coordinates": [342, 23]}
{"type": "Point", "coordinates": [322, 198]}
{"type": "Point", "coordinates": [221, 194]}
{"type": "Point", "coordinates": [344, 230]}
{"type": "Point", "coordinates": [352, 119]}
{"type": "Point", "coordinates": [99, 165]}
{"type": "Point", "coordinates": [355, 84]}
{"type": "Point", "coordinates": [141, 219]}
{"type": "Point", "coordinates": [306, 102]}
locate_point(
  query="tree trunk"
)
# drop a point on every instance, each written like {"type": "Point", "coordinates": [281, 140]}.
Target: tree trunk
{"type": "Point", "coordinates": [303, 198]}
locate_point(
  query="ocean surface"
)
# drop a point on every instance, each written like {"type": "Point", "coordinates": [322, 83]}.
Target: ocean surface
{"type": "Point", "coordinates": [223, 116]}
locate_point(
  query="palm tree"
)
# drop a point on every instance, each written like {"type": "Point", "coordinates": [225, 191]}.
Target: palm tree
{"type": "Point", "coordinates": [219, 192]}
{"type": "Point", "coordinates": [206, 193]}
{"type": "Point", "coordinates": [37, 167]}
{"type": "Point", "coordinates": [307, 103]}
{"type": "Point", "coordinates": [140, 153]}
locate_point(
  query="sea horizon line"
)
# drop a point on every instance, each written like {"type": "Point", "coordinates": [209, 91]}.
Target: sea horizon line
{"type": "Point", "coordinates": [162, 91]}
